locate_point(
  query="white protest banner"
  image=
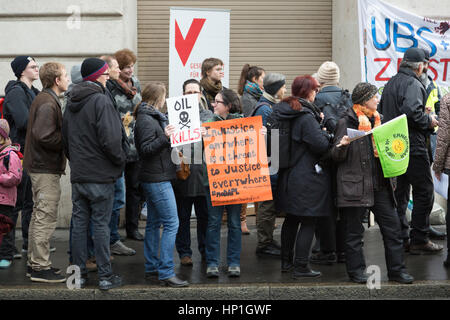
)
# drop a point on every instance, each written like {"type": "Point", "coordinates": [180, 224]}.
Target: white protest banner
{"type": "Point", "coordinates": [184, 114]}
{"type": "Point", "coordinates": [386, 32]}
{"type": "Point", "coordinates": [195, 35]}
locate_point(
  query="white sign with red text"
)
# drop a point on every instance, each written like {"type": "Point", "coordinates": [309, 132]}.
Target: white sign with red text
{"type": "Point", "coordinates": [386, 32]}
{"type": "Point", "coordinates": [195, 35]}
{"type": "Point", "coordinates": [184, 114]}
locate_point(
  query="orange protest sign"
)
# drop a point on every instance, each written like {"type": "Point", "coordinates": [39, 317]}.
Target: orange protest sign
{"type": "Point", "coordinates": [236, 159]}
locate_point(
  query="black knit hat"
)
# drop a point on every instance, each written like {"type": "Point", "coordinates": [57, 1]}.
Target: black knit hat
{"type": "Point", "coordinates": [19, 64]}
{"type": "Point", "coordinates": [93, 68]}
{"type": "Point", "coordinates": [273, 82]}
{"type": "Point", "coordinates": [363, 92]}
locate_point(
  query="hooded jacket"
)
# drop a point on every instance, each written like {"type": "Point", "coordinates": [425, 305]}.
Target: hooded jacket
{"type": "Point", "coordinates": [10, 175]}
{"type": "Point", "coordinates": [92, 135]}
{"type": "Point", "coordinates": [18, 99]}
{"type": "Point", "coordinates": [304, 189]}
{"type": "Point", "coordinates": [153, 146]}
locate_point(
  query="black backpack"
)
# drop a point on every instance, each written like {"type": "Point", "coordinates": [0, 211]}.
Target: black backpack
{"type": "Point", "coordinates": [334, 112]}
{"type": "Point", "coordinates": [284, 139]}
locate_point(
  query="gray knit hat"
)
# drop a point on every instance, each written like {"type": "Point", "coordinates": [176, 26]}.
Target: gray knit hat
{"type": "Point", "coordinates": [273, 82]}
{"type": "Point", "coordinates": [328, 73]}
{"type": "Point", "coordinates": [75, 74]}
{"type": "Point", "coordinates": [363, 92]}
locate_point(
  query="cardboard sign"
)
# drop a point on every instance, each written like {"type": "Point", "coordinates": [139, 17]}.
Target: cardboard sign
{"type": "Point", "coordinates": [195, 35]}
{"type": "Point", "coordinates": [236, 159]}
{"type": "Point", "coordinates": [386, 32]}
{"type": "Point", "coordinates": [184, 114]}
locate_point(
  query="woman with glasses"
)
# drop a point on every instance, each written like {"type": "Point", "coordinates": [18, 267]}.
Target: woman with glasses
{"type": "Point", "coordinates": [226, 106]}
{"type": "Point", "coordinates": [304, 189]}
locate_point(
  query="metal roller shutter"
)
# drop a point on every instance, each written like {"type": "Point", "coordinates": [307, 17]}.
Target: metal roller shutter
{"type": "Point", "coordinates": [289, 37]}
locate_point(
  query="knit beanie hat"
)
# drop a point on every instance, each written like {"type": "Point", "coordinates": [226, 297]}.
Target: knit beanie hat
{"type": "Point", "coordinates": [93, 68]}
{"type": "Point", "coordinates": [75, 74]}
{"type": "Point", "coordinates": [19, 64]}
{"type": "Point", "coordinates": [273, 82]}
{"type": "Point", "coordinates": [363, 92]}
{"type": "Point", "coordinates": [4, 128]}
{"type": "Point", "coordinates": [328, 73]}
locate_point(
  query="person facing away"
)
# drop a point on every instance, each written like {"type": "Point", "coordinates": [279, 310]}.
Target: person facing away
{"type": "Point", "coordinates": [19, 94]}
{"type": "Point", "coordinates": [45, 162]}
{"type": "Point", "coordinates": [250, 87]}
{"type": "Point", "coordinates": [92, 140]}
{"type": "Point", "coordinates": [11, 174]}
{"type": "Point", "coordinates": [157, 170]}
{"type": "Point", "coordinates": [361, 185]}
{"type": "Point", "coordinates": [212, 74]}
{"type": "Point", "coordinates": [405, 94]}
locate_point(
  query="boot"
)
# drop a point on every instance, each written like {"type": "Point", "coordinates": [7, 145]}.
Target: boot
{"type": "Point", "coordinates": [302, 270]}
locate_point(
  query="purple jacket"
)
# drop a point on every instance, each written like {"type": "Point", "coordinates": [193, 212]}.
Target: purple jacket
{"type": "Point", "coordinates": [10, 175]}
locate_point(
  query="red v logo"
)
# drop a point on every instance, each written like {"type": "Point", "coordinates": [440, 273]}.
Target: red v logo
{"type": "Point", "coordinates": [184, 46]}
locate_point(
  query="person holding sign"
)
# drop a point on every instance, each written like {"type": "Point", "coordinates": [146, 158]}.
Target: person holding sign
{"type": "Point", "coordinates": [156, 172]}
{"type": "Point", "coordinates": [226, 106]}
{"type": "Point", "coordinates": [304, 188]}
{"type": "Point", "coordinates": [361, 185]}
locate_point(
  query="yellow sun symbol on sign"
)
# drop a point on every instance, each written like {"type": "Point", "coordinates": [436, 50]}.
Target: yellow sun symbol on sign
{"type": "Point", "coordinates": [398, 146]}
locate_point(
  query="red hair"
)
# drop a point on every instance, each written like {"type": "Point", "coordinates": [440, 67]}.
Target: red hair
{"type": "Point", "coordinates": [301, 88]}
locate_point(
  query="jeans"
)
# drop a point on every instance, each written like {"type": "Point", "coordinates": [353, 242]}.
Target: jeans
{"type": "Point", "coordinates": [387, 219]}
{"type": "Point", "coordinates": [119, 203]}
{"type": "Point", "coordinates": [213, 234]}
{"type": "Point", "coordinates": [90, 242]}
{"type": "Point", "coordinates": [92, 202]}
{"type": "Point", "coordinates": [161, 210]}
{"type": "Point", "coordinates": [419, 177]}
{"type": "Point", "coordinates": [183, 240]}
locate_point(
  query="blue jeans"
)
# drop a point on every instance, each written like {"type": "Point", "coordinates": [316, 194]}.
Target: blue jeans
{"type": "Point", "coordinates": [119, 203]}
{"type": "Point", "coordinates": [90, 243]}
{"type": "Point", "coordinates": [161, 210]}
{"type": "Point", "coordinates": [213, 234]}
{"type": "Point", "coordinates": [92, 203]}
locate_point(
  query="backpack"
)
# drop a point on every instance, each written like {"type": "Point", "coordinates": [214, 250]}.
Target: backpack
{"type": "Point", "coordinates": [2, 100]}
{"type": "Point", "coordinates": [284, 139]}
{"type": "Point", "coordinates": [258, 105]}
{"type": "Point", "coordinates": [334, 112]}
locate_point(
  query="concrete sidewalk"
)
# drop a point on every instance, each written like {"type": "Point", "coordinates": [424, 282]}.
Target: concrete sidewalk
{"type": "Point", "coordinates": [260, 279]}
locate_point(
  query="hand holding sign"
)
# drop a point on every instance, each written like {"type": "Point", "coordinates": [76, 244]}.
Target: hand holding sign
{"type": "Point", "coordinates": [184, 116]}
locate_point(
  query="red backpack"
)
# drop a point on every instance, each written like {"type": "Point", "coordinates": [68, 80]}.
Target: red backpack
{"type": "Point", "coordinates": [2, 99]}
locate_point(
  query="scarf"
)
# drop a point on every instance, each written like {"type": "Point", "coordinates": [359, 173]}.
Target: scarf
{"type": "Point", "coordinates": [211, 88]}
{"type": "Point", "coordinates": [270, 97]}
{"type": "Point", "coordinates": [130, 93]}
{"type": "Point", "coordinates": [253, 89]}
{"type": "Point", "coordinates": [363, 115]}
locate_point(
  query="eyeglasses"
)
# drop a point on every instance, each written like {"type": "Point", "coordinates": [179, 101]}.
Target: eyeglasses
{"type": "Point", "coordinates": [105, 74]}
{"type": "Point", "coordinates": [217, 102]}
{"type": "Point", "coordinates": [192, 92]}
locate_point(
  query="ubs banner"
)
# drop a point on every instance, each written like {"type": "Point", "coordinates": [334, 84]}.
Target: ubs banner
{"type": "Point", "coordinates": [386, 32]}
{"type": "Point", "coordinates": [196, 34]}
{"type": "Point", "coordinates": [236, 159]}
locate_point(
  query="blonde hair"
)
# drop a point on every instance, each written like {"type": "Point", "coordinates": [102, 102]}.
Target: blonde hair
{"type": "Point", "coordinates": [49, 72]}
{"type": "Point", "coordinates": [152, 94]}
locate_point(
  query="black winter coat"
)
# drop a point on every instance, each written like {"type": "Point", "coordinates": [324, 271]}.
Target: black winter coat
{"type": "Point", "coordinates": [153, 146]}
{"type": "Point", "coordinates": [92, 135]}
{"type": "Point", "coordinates": [405, 94]}
{"type": "Point", "coordinates": [301, 190]}
{"type": "Point", "coordinates": [16, 108]}
{"type": "Point", "coordinates": [359, 173]}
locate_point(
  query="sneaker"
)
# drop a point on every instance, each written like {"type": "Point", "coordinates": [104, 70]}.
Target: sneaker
{"type": "Point", "coordinates": [5, 264]}
{"type": "Point", "coordinates": [47, 276]}
{"type": "Point", "coordinates": [17, 255]}
{"type": "Point", "coordinates": [234, 271]}
{"type": "Point", "coordinates": [186, 261]}
{"type": "Point", "coordinates": [144, 211]}
{"type": "Point", "coordinates": [112, 282]}
{"type": "Point", "coordinates": [120, 249]}
{"type": "Point", "coordinates": [427, 248]}
{"type": "Point", "coordinates": [30, 270]}
{"type": "Point", "coordinates": [212, 272]}
{"type": "Point", "coordinates": [52, 249]}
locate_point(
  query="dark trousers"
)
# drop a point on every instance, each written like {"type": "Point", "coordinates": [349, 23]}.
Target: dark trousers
{"type": "Point", "coordinates": [266, 215]}
{"type": "Point", "coordinates": [447, 218]}
{"type": "Point", "coordinates": [7, 247]}
{"type": "Point", "coordinates": [302, 239]}
{"type": "Point", "coordinates": [92, 203]}
{"type": "Point", "coordinates": [25, 204]}
{"type": "Point", "coordinates": [386, 217]}
{"type": "Point", "coordinates": [419, 177]}
{"type": "Point", "coordinates": [331, 233]}
{"type": "Point", "coordinates": [133, 197]}
{"type": "Point", "coordinates": [183, 239]}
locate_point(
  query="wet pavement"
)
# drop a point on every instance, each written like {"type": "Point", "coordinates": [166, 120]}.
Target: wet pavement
{"type": "Point", "coordinates": [254, 270]}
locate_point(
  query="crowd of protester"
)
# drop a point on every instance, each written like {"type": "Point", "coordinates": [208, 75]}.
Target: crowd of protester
{"type": "Point", "coordinates": [115, 136]}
